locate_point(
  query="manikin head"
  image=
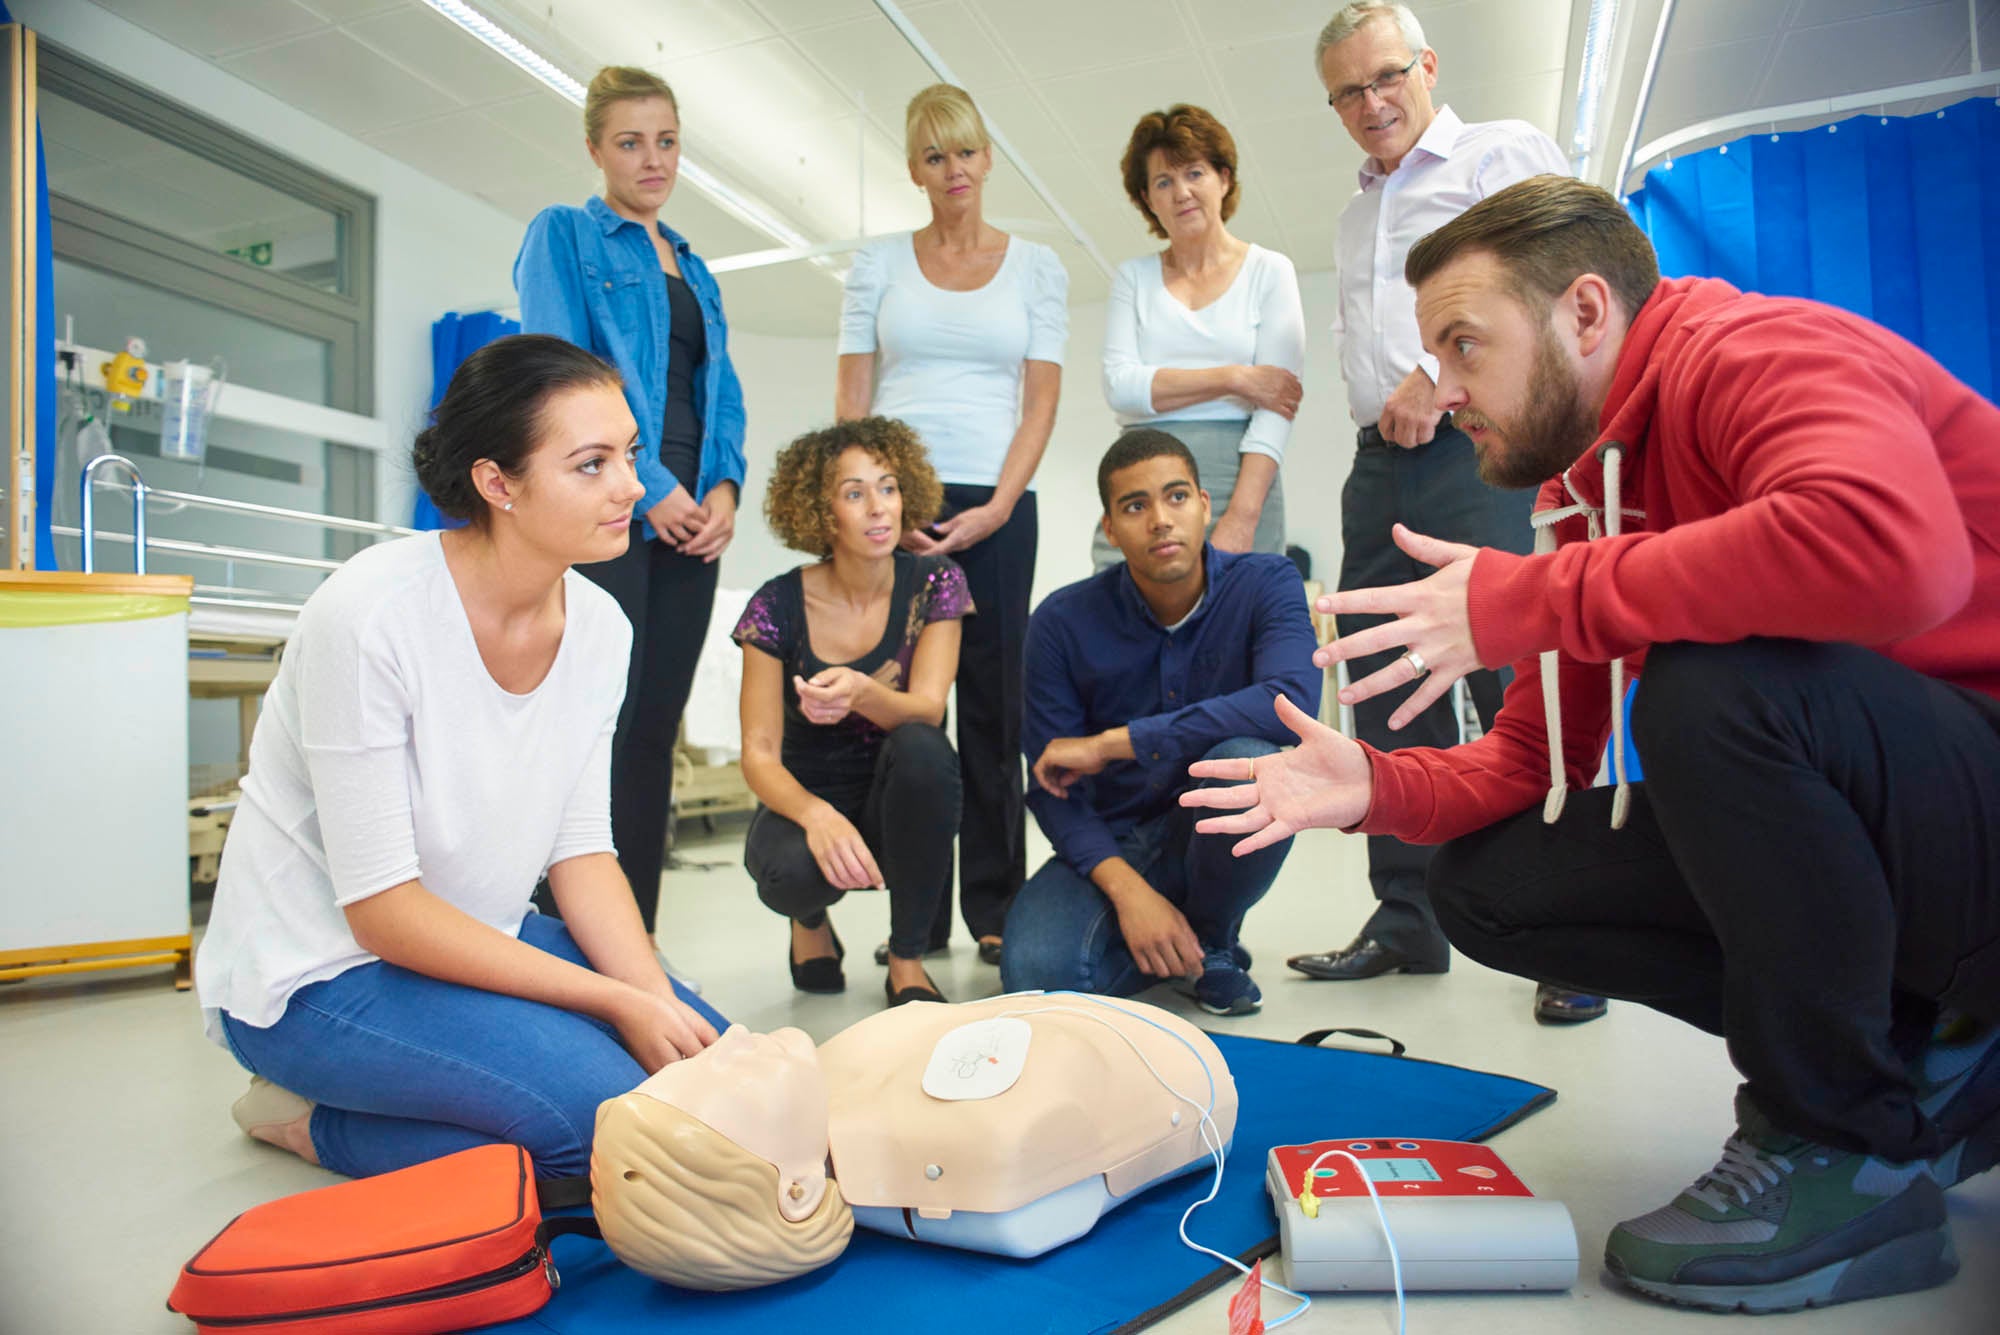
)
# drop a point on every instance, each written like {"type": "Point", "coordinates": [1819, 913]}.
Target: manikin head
{"type": "Point", "coordinates": [1525, 299]}
{"type": "Point", "coordinates": [712, 1173]}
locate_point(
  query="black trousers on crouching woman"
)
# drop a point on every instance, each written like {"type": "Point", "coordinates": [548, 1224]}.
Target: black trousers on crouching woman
{"type": "Point", "coordinates": [1811, 868]}
{"type": "Point", "coordinates": [907, 815]}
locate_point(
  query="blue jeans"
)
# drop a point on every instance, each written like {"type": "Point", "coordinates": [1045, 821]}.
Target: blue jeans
{"type": "Point", "coordinates": [1062, 933]}
{"type": "Point", "coordinates": [405, 1068]}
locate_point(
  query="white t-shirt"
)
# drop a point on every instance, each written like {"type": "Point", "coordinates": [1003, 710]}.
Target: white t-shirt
{"type": "Point", "coordinates": [386, 752]}
{"type": "Point", "coordinates": [949, 363]}
{"type": "Point", "coordinates": [1258, 321]}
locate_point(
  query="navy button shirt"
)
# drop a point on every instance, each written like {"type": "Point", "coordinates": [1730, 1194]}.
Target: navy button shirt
{"type": "Point", "coordinates": [1098, 659]}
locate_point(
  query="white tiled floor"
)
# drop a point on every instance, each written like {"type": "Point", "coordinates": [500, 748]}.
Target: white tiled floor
{"type": "Point", "coordinates": [118, 1158]}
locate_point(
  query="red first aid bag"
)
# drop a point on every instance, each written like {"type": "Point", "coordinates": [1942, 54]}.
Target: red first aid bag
{"type": "Point", "coordinates": [436, 1247]}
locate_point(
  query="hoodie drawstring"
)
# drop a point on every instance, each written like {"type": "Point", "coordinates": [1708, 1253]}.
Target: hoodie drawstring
{"type": "Point", "coordinates": [1606, 522]}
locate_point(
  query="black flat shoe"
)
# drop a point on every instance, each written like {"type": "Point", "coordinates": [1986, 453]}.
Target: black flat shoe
{"type": "Point", "coordinates": [1365, 957]}
{"type": "Point", "coordinates": [925, 991]}
{"type": "Point", "coordinates": [821, 973]}
{"type": "Point", "coordinates": [989, 952]}
{"type": "Point", "coordinates": [1559, 1005]}
{"type": "Point", "coordinates": [935, 948]}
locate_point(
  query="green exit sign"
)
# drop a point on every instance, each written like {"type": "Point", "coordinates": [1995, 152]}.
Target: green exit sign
{"type": "Point", "coordinates": [257, 253]}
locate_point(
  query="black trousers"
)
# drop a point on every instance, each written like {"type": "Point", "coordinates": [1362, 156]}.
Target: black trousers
{"type": "Point", "coordinates": [1434, 489]}
{"type": "Point", "coordinates": [992, 671]}
{"type": "Point", "coordinates": [1811, 869]}
{"type": "Point", "coordinates": [906, 815]}
{"type": "Point", "coordinates": [667, 597]}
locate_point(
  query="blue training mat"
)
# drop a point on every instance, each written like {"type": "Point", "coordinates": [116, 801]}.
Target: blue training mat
{"type": "Point", "coordinates": [1127, 1272]}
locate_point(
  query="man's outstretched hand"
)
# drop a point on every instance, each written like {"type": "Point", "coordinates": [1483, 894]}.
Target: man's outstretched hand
{"type": "Point", "coordinates": [1324, 782]}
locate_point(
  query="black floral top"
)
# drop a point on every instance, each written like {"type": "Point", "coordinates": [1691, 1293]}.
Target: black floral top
{"type": "Point", "coordinates": [840, 757]}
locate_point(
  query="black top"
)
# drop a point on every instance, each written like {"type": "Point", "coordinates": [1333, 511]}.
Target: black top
{"type": "Point", "coordinates": [687, 349]}
{"type": "Point", "coordinates": [839, 758]}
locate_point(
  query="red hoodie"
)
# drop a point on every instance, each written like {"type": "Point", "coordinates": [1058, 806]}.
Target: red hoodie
{"type": "Point", "coordinates": [1789, 470]}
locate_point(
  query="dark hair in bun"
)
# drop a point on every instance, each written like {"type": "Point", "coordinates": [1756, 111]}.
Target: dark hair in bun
{"type": "Point", "coordinates": [492, 410]}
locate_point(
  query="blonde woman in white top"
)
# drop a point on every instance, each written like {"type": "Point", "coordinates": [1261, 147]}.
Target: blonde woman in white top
{"type": "Point", "coordinates": [1206, 339]}
{"type": "Point", "coordinates": [958, 329]}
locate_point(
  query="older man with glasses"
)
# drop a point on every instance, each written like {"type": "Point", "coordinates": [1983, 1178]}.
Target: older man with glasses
{"type": "Point", "coordinates": [1425, 166]}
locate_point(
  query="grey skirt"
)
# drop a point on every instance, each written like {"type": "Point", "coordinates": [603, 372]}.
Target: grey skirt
{"type": "Point", "coordinates": [1215, 446]}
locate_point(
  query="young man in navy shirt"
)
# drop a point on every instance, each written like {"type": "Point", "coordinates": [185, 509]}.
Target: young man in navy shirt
{"type": "Point", "coordinates": [1174, 656]}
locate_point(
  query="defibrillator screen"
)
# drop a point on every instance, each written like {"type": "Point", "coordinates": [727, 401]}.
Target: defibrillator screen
{"type": "Point", "coordinates": [1401, 1170]}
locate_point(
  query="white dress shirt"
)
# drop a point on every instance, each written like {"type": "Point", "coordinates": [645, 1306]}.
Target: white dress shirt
{"type": "Point", "coordinates": [1258, 321]}
{"type": "Point", "coordinates": [1451, 168]}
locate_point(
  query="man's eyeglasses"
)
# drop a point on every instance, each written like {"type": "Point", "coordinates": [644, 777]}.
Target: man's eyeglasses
{"type": "Point", "coordinates": [1382, 85]}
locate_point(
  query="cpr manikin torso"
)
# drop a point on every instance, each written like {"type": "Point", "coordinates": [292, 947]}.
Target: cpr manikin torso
{"type": "Point", "coordinates": [1037, 1116]}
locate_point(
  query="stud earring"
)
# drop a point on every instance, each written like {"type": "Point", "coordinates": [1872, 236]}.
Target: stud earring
{"type": "Point", "coordinates": [508, 506]}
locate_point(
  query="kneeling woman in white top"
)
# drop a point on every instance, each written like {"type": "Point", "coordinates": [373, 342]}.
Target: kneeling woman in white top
{"type": "Point", "coordinates": [437, 739]}
{"type": "Point", "coordinates": [1205, 340]}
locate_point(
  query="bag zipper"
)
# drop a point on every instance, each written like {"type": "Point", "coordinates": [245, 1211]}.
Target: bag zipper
{"type": "Point", "coordinates": [456, 1289]}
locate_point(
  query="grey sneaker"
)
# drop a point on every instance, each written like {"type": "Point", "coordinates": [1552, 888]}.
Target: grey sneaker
{"type": "Point", "coordinates": [1783, 1223]}
{"type": "Point", "coordinates": [1958, 1088]}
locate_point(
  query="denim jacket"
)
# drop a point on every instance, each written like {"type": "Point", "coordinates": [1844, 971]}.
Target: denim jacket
{"type": "Point", "coordinates": [592, 277]}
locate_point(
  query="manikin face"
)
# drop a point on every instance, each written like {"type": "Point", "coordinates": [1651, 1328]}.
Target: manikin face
{"type": "Point", "coordinates": [1509, 382]}
{"type": "Point", "coordinates": [639, 152]}
{"type": "Point", "coordinates": [1386, 122]}
{"type": "Point", "coordinates": [766, 1093]}
{"type": "Point", "coordinates": [866, 505]}
{"type": "Point", "coordinates": [953, 178]}
{"type": "Point", "coordinates": [574, 499]}
{"type": "Point", "coordinates": [1185, 197]}
{"type": "Point", "coordinates": [1158, 519]}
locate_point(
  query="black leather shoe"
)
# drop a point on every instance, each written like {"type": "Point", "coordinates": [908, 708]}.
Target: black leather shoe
{"type": "Point", "coordinates": [821, 973]}
{"type": "Point", "coordinates": [989, 952]}
{"type": "Point", "coordinates": [925, 991]}
{"type": "Point", "coordinates": [1365, 957]}
{"type": "Point", "coordinates": [1559, 1005]}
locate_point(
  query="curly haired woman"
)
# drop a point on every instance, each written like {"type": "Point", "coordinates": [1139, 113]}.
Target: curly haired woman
{"type": "Point", "coordinates": [846, 663]}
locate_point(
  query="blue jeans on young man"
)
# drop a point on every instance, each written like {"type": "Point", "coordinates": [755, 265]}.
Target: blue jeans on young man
{"type": "Point", "coordinates": [1063, 934]}
{"type": "Point", "coordinates": [406, 1068]}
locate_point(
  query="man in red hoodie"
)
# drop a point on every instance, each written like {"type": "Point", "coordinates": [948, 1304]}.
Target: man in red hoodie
{"type": "Point", "coordinates": [1788, 520]}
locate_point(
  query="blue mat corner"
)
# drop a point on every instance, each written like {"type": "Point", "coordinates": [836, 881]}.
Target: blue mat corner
{"type": "Point", "coordinates": [1126, 1273]}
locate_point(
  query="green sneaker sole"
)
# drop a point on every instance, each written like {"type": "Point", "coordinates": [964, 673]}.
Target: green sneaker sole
{"type": "Point", "coordinates": [1901, 1265]}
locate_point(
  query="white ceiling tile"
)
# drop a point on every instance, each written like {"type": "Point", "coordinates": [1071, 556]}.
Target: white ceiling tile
{"type": "Point", "coordinates": [649, 32]}
{"type": "Point", "coordinates": [1534, 98]}
{"type": "Point", "coordinates": [1490, 41]}
{"type": "Point", "coordinates": [439, 51]}
{"type": "Point", "coordinates": [963, 41]}
{"type": "Point", "coordinates": [870, 57]}
{"type": "Point", "coordinates": [1019, 113]}
{"type": "Point", "coordinates": [1226, 21]}
{"type": "Point", "coordinates": [1724, 81]}
{"type": "Point", "coordinates": [342, 82]}
{"type": "Point", "coordinates": [798, 15]}
{"type": "Point", "coordinates": [1812, 13]}
{"type": "Point", "coordinates": [466, 151]}
{"type": "Point", "coordinates": [341, 11]}
{"type": "Point", "coordinates": [708, 228]}
{"type": "Point", "coordinates": [796, 300]}
{"type": "Point", "coordinates": [1099, 109]}
{"type": "Point", "coordinates": [1269, 79]}
{"type": "Point", "coordinates": [1049, 38]}
{"type": "Point", "coordinates": [716, 88]}
{"type": "Point", "coordinates": [1700, 23]}
{"type": "Point", "coordinates": [1863, 54]}
{"type": "Point", "coordinates": [218, 25]}
{"type": "Point", "coordinates": [547, 121]}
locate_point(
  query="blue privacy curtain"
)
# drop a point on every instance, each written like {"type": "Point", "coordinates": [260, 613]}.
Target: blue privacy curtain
{"type": "Point", "coordinates": [453, 339]}
{"type": "Point", "coordinates": [1897, 220]}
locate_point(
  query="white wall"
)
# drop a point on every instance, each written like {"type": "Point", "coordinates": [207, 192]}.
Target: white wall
{"type": "Point", "coordinates": [788, 386]}
{"type": "Point", "coordinates": [436, 249]}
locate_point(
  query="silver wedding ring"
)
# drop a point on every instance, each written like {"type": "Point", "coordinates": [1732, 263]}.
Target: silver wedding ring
{"type": "Point", "coordinates": [1417, 661]}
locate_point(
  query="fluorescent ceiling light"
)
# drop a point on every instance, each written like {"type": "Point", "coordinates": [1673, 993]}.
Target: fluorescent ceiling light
{"type": "Point", "coordinates": [732, 201]}
{"type": "Point", "coordinates": [1596, 69]}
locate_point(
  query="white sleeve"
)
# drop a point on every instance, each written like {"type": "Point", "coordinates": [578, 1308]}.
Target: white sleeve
{"type": "Point", "coordinates": [1048, 308]}
{"type": "Point", "coordinates": [586, 818]}
{"type": "Point", "coordinates": [354, 728]}
{"type": "Point", "coordinates": [1516, 157]}
{"type": "Point", "coordinates": [1281, 341]}
{"type": "Point", "coordinates": [860, 302]}
{"type": "Point", "coordinates": [1128, 382]}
